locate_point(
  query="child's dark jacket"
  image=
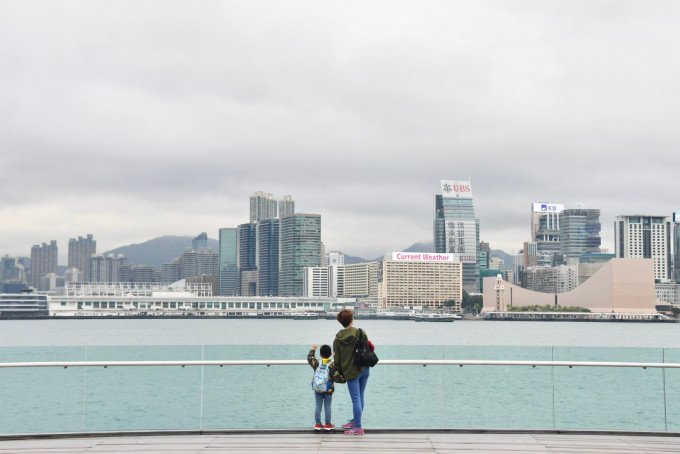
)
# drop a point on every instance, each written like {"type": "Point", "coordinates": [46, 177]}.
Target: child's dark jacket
{"type": "Point", "coordinates": [333, 373]}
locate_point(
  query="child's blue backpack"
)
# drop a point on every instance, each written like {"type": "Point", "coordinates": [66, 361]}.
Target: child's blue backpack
{"type": "Point", "coordinates": [321, 382]}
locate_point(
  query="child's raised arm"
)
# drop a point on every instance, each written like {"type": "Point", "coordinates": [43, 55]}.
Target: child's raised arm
{"type": "Point", "coordinates": [311, 357]}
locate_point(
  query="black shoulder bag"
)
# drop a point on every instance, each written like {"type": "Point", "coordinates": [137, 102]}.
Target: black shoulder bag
{"type": "Point", "coordinates": [363, 355]}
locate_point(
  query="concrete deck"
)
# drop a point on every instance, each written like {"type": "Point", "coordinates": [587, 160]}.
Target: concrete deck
{"type": "Point", "coordinates": [417, 442]}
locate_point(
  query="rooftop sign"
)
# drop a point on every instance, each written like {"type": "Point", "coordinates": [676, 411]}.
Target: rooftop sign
{"type": "Point", "coordinates": [676, 218]}
{"type": "Point", "coordinates": [547, 207]}
{"type": "Point", "coordinates": [423, 257]}
{"type": "Point", "coordinates": [456, 189]}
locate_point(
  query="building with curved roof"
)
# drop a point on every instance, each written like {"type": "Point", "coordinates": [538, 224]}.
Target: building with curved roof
{"type": "Point", "coordinates": [621, 285]}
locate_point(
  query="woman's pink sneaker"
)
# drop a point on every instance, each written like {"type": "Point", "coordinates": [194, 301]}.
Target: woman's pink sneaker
{"type": "Point", "coordinates": [349, 425]}
{"type": "Point", "coordinates": [355, 431]}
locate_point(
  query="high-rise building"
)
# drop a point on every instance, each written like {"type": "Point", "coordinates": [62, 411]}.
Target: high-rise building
{"type": "Point", "coordinates": [200, 242]}
{"type": "Point", "coordinates": [268, 256]}
{"type": "Point", "coordinates": [262, 206]}
{"type": "Point", "coordinates": [43, 261]}
{"type": "Point", "coordinates": [334, 258]}
{"type": "Point", "coordinates": [645, 237]}
{"type": "Point", "coordinates": [579, 232]}
{"type": "Point", "coordinates": [246, 257]}
{"type": "Point", "coordinates": [247, 246]}
{"type": "Point", "coordinates": [105, 269]}
{"type": "Point", "coordinates": [170, 271]}
{"type": "Point", "coordinates": [201, 262]}
{"type": "Point", "coordinates": [456, 231]}
{"type": "Point", "coordinates": [286, 206]}
{"type": "Point", "coordinates": [554, 279]}
{"type": "Point", "coordinates": [676, 246]}
{"type": "Point", "coordinates": [79, 252]}
{"type": "Point", "coordinates": [300, 247]}
{"type": "Point", "coordinates": [12, 270]}
{"type": "Point", "coordinates": [545, 226]}
{"type": "Point", "coordinates": [228, 282]}
{"type": "Point", "coordinates": [138, 273]}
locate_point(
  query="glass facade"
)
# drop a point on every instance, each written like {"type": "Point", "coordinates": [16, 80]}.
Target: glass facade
{"type": "Point", "coordinates": [268, 256]}
{"type": "Point", "coordinates": [448, 209]}
{"type": "Point", "coordinates": [228, 264]}
{"type": "Point", "coordinates": [580, 232]}
{"type": "Point", "coordinates": [300, 247]}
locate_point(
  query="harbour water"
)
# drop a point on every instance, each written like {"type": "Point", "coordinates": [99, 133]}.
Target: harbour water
{"type": "Point", "coordinates": [210, 397]}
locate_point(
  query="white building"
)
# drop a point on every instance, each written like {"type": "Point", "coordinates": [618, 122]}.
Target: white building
{"type": "Point", "coordinates": [643, 236]}
{"type": "Point", "coordinates": [316, 281]}
{"type": "Point", "coordinates": [178, 299]}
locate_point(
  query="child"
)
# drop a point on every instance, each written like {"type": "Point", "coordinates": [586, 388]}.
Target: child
{"type": "Point", "coordinates": [324, 398]}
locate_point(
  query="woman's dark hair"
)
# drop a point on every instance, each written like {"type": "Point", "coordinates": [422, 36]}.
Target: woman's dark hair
{"type": "Point", "coordinates": [345, 317]}
{"type": "Point", "coordinates": [325, 351]}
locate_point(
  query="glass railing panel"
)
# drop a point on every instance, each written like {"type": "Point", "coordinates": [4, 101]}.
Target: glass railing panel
{"type": "Point", "coordinates": [497, 396]}
{"type": "Point", "coordinates": [254, 397]}
{"type": "Point", "coordinates": [41, 400]}
{"type": "Point", "coordinates": [396, 396]}
{"type": "Point", "coordinates": [672, 380]}
{"type": "Point", "coordinates": [143, 398]}
{"type": "Point", "coordinates": [403, 396]}
{"type": "Point", "coordinates": [609, 397]}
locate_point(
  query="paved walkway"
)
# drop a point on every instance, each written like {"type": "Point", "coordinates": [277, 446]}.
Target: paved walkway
{"type": "Point", "coordinates": [421, 442]}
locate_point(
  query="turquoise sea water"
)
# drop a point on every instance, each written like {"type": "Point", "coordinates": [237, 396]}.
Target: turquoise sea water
{"type": "Point", "coordinates": [37, 400]}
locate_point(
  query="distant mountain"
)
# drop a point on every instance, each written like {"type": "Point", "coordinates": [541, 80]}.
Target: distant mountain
{"type": "Point", "coordinates": [158, 251]}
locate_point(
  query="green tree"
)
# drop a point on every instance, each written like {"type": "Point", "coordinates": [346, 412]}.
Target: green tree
{"type": "Point", "coordinates": [472, 303]}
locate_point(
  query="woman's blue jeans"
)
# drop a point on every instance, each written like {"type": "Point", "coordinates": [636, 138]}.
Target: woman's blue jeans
{"type": "Point", "coordinates": [325, 400]}
{"type": "Point", "coordinates": [356, 387]}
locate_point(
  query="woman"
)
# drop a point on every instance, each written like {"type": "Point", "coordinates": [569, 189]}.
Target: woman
{"type": "Point", "coordinates": [356, 375]}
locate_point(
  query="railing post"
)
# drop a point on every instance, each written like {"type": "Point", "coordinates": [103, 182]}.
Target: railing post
{"type": "Point", "coordinates": [443, 392]}
{"type": "Point", "coordinates": [663, 374]}
{"type": "Point", "coordinates": [84, 390]}
{"type": "Point", "coordinates": [202, 371]}
{"type": "Point", "coordinates": [552, 384]}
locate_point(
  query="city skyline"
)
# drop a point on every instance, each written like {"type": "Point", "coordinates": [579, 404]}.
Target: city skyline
{"type": "Point", "coordinates": [357, 110]}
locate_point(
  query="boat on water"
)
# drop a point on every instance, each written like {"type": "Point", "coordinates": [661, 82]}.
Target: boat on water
{"type": "Point", "coordinates": [435, 317]}
{"type": "Point", "coordinates": [305, 316]}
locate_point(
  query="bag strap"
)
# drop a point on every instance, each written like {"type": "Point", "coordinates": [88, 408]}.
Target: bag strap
{"type": "Point", "coordinates": [359, 336]}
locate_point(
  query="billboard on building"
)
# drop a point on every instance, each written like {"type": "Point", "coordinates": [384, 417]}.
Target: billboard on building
{"type": "Point", "coordinates": [676, 217]}
{"type": "Point", "coordinates": [461, 240]}
{"type": "Point", "coordinates": [423, 257]}
{"type": "Point", "coordinates": [547, 207]}
{"type": "Point", "coordinates": [456, 189]}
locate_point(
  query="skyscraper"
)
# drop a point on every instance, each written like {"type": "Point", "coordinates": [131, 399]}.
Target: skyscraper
{"type": "Point", "coordinates": [579, 232]}
{"type": "Point", "coordinates": [286, 206]}
{"type": "Point", "coordinates": [79, 253]}
{"type": "Point", "coordinates": [105, 269]}
{"type": "Point", "coordinates": [648, 237]}
{"type": "Point", "coordinates": [262, 206]}
{"type": "Point", "coordinates": [676, 246]}
{"type": "Point", "coordinates": [200, 242]}
{"type": "Point", "coordinates": [456, 230]}
{"type": "Point", "coordinates": [247, 259]}
{"type": "Point", "coordinates": [545, 226]}
{"type": "Point", "coordinates": [43, 261]}
{"type": "Point", "coordinates": [268, 256]}
{"type": "Point", "coordinates": [300, 246]}
{"type": "Point", "coordinates": [228, 265]}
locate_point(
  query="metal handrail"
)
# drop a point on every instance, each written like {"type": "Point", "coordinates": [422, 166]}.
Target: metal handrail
{"type": "Point", "coordinates": [390, 362]}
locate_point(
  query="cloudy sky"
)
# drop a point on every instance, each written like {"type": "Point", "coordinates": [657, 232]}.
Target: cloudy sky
{"type": "Point", "coordinates": [131, 120]}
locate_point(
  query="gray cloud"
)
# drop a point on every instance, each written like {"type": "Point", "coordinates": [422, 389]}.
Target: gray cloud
{"type": "Point", "coordinates": [132, 120]}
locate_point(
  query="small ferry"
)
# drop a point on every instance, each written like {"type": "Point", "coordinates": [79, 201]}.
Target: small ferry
{"type": "Point", "coordinates": [436, 317]}
{"type": "Point", "coordinates": [305, 316]}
